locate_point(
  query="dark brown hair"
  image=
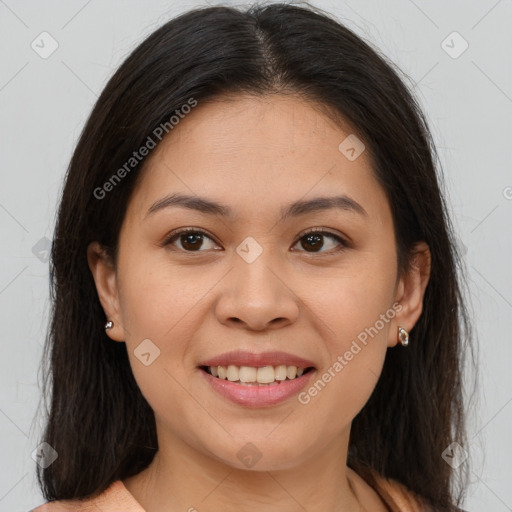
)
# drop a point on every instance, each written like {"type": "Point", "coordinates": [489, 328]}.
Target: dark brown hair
{"type": "Point", "coordinates": [98, 421]}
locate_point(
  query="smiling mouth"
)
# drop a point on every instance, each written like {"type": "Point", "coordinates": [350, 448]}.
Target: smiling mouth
{"type": "Point", "coordinates": [256, 376]}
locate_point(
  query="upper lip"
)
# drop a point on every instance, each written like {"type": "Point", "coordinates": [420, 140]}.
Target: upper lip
{"type": "Point", "coordinates": [244, 358]}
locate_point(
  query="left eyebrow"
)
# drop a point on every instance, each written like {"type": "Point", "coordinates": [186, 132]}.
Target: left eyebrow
{"type": "Point", "coordinates": [300, 207]}
{"type": "Point", "coordinates": [317, 204]}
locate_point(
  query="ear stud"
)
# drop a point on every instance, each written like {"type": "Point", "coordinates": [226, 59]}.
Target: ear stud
{"type": "Point", "coordinates": [403, 336]}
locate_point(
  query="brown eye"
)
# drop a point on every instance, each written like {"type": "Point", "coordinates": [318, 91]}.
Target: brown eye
{"type": "Point", "coordinates": [191, 240]}
{"type": "Point", "coordinates": [313, 241]}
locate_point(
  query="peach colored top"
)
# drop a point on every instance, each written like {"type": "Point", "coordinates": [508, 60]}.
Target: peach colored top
{"type": "Point", "coordinates": [117, 498]}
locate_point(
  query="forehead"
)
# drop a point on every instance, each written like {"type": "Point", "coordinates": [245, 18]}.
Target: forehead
{"type": "Point", "coordinates": [253, 152]}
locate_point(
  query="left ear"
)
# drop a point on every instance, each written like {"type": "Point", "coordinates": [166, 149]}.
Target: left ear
{"type": "Point", "coordinates": [410, 291]}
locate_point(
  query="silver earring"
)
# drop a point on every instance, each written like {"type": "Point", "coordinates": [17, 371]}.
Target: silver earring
{"type": "Point", "coordinates": [109, 324]}
{"type": "Point", "coordinates": [403, 336]}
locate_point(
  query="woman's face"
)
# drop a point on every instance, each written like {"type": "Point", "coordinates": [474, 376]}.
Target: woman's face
{"type": "Point", "coordinates": [255, 282]}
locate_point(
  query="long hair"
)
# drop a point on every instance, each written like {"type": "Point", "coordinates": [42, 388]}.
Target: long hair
{"type": "Point", "coordinates": [97, 419]}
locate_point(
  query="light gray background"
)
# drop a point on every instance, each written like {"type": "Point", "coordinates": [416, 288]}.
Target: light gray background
{"type": "Point", "coordinates": [44, 104]}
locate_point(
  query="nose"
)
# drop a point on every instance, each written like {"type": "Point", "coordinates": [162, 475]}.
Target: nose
{"type": "Point", "coordinates": [256, 296]}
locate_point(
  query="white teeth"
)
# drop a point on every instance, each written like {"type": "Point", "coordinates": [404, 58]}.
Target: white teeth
{"type": "Point", "coordinates": [221, 372]}
{"type": "Point", "coordinates": [232, 373]}
{"type": "Point", "coordinates": [281, 372]}
{"type": "Point", "coordinates": [265, 375]}
{"type": "Point", "coordinates": [247, 374]}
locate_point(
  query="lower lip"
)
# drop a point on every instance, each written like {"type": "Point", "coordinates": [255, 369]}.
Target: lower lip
{"type": "Point", "coordinates": [258, 396]}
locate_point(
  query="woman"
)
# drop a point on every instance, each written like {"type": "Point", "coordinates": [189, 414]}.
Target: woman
{"type": "Point", "coordinates": [256, 299]}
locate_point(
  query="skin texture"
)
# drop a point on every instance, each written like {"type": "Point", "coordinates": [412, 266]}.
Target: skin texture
{"type": "Point", "coordinates": [256, 155]}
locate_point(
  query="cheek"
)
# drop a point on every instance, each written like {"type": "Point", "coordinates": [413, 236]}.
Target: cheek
{"type": "Point", "coordinates": [356, 349]}
{"type": "Point", "coordinates": [157, 296]}
{"type": "Point", "coordinates": [354, 313]}
{"type": "Point", "coordinates": [355, 303]}
{"type": "Point", "coordinates": [164, 304]}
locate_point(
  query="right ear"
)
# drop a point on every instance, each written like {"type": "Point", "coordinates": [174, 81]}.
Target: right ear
{"type": "Point", "coordinates": [105, 278]}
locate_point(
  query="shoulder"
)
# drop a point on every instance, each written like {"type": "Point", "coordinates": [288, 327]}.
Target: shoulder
{"type": "Point", "coordinates": [399, 496]}
{"type": "Point", "coordinates": [388, 493]}
{"type": "Point", "coordinates": [114, 498]}
{"type": "Point", "coordinates": [395, 495]}
{"type": "Point", "coordinates": [67, 506]}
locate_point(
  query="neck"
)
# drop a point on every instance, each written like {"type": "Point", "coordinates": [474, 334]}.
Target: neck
{"type": "Point", "coordinates": [181, 477]}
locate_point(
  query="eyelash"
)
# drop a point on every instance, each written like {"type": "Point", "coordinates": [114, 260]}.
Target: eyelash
{"type": "Point", "coordinates": [343, 243]}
